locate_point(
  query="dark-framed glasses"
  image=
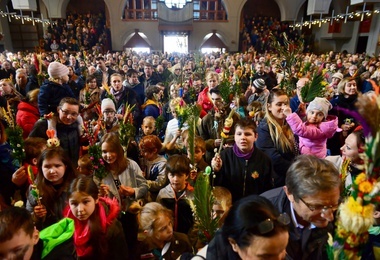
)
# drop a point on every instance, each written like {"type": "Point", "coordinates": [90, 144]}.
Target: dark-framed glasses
{"type": "Point", "coordinates": [268, 225]}
{"type": "Point", "coordinates": [320, 208]}
{"type": "Point", "coordinates": [67, 113]}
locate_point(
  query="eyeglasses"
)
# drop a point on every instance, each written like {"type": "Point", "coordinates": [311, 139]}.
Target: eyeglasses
{"type": "Point", "coordinates": [67, 113]}
{"type": "Point", "coordinates": [109, 112]}
{"type": "Point", "coordinates": [320, 208]}
{"type": "Point", "coordinates": [268, 225]}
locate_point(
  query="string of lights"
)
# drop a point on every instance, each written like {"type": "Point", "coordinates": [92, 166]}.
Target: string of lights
{"type": "Point", "coordinates": [338, 17]}
{"type": "Point", "coordinates": [24, 18]}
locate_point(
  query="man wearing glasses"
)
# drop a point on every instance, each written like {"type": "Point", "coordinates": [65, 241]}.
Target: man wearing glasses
{"type": "Point", "coordinates": [311, 196]}
{"type": "Point", "coordinates": [66, 125]}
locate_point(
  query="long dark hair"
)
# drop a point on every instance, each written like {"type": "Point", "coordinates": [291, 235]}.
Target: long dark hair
{"type": "Point", "coordinates": [97, 241]}
{"type": "Point", "coordinates": [245, 215]}
{"type": "Point", "coordinates": [52, 196]}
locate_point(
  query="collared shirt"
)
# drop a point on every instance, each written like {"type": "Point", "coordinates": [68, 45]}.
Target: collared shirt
{"type": "Point", "coordinates": [294, 219]}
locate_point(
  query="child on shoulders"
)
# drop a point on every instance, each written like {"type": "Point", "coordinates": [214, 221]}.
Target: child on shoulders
{"type": "Point", "coordinates": [313, 133]}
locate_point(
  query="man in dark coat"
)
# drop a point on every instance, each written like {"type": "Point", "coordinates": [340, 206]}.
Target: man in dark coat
{"type": "Point", "coordinates": [310, 197]}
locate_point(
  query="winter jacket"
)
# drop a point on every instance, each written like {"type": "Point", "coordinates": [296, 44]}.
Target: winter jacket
{"type": "Point", "coordinates": [151, 108]}
{"type": "Point", "coordinates": [56, 242]}
{"type": "Point", "coordinates": [204, 101]}
{"type": "Point", "coordinates": [244, 177]}
{"type": "Point", "coordinates": [138, 89]}
{"type": "Point", "coordinates": [27, 115]}
{"type": "Point", "coordinates": [132, 177]}
{"type": "Point", "coordinates": [281, 160]}
{"type": "Point", "coordinates": [117, 246]}
{"type": "Point", "coordinates": [68, 136]}
{"type": "Point", "coordinates": [155, 174]}
{"type": "Point", "coordinates": [183, 215]}
{"type": "Point", "coordinates": [7, 187]}
{"type": "Point", "coordinates": [50, 95]}
{"type": "Point", "coordinates": [306, 243]}
{"type": "Point", "coordinates": [313, 138]}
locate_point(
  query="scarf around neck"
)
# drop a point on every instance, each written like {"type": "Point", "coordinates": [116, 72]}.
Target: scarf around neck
{"type": "Point", "coordinates": [240, 154]}
{"type": "Point", "coordinates": [82, 232]}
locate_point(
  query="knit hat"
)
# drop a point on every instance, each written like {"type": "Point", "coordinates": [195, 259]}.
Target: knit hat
{"type": "Point", "coordinates": [108, 104]}
{"type": "Point", "coordinates": [337, 75]}
{"type": "Point", "coordinates": [259, 84]}
{"type": "Point", "coordinates": [57, 70]}
{"type": "Point", "coordinates": [321, 104]}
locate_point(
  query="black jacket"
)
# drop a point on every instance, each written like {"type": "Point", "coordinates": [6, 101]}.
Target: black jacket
{"type": "Point", "coordinates": [303, 244]}
{"type": "Point", "coordinates": [237, 174]}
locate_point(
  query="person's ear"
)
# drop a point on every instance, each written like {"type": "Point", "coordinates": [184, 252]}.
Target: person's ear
{"type": "Point", "coordinates": [35, 236]}
{"type": "Point", "coordinates": [34, 161]}
{"type": "Point", "coordinates": [233, 244]}
{"type": "Point", "coordinates": [288, 194]}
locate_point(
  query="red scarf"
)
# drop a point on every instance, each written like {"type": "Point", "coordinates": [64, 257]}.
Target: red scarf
{"type": "Point", "coordinates": [82, 232]}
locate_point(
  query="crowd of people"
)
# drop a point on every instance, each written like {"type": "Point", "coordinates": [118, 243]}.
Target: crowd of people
{"type": "Point", "coordinates": [260, 140]}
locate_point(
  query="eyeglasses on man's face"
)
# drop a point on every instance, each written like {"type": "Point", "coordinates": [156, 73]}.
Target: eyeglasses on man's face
{"type": "Point", "coordinates": [320, 208]}
{"type": "Point", "coordinates": [68, 113]}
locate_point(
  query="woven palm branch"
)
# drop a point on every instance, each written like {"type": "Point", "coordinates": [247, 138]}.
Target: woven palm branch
{"type": "Point", "coordinates": [202, 208]}
{"type": "Point", "coordinates": [314, 88]}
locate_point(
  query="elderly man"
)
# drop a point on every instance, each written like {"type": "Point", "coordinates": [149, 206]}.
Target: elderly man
{"type": "Point", "coordinates": [296, 100]}
{"type": "Point", "coordinates": [66, 126]}
{"type": "Point", "coordinates": [310, 197]}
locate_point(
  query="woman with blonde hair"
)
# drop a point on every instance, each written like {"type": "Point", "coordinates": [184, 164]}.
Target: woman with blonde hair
{"type": "Point", "coordinates": [275, 136]}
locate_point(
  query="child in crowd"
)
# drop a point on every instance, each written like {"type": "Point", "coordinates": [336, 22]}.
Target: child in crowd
{"type": "Point", "coordinates": [313, 133]}
{"type": "Point", "coordinates": [153, 164]}
{"type": "Point", "coordinates": [85, 165]}
{"type": "Point", "coordinates": [124, 181]}
{"type": "Point", "coordinates": [152, 105]}
{"type": "Point", "coordinates": [173, 140]}
{"type": "Point", "coordinates": [199, 162]}
{"type": "Point", "coordinates": [98, 234]}
{"type": "Point", "coordinates": [55, 172]}
{"type": "Point", "coordinates": [222, 203]}
{"type": "Point", "coordinates": [33, 147]}
{"type": "Point", "coordinates": [175, 194]}
{"type": "Point", "coordinates": [161, 242]}
{"type": "Point", "coordinates": [148, 127]}
{"type": "Point", "coordinates": [110, 122]}
{"type": "Point", "coordinates": [19, 238]}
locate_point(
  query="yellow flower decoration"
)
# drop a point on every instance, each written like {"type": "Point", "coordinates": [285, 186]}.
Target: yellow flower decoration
{"type": "Point", "coordinates": [255, 175]}
{"type": "Point", "coordinates": [368, 211]}
{"type": "Point", "coordinates": [365, 187]}
{"type": "Point", "coordinates": [360, 178]}
{"type": "Point", "coordinates": [353, 206]}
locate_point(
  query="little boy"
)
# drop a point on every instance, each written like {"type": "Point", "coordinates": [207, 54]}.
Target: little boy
{"type": "Point", "coordinates": [85, 165]}
{"type": "Point", "coordinates": [19, 238]}
{"type": "Point", "coordinates": [152, 164]}
{"type": "Point", "coordinates": [199, 162]}
{"type": "Point", "coordinates": [33, 147]}
{"type": "Point", "coordinates": [222, 203]}
{"type": "Point", "coordinates": [175, 194]}
{"type": "Point", "coordinates": [148, 127]}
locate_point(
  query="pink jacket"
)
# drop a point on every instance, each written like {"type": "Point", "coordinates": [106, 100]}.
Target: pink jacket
{"type": "Point", "coordinates": [313, 138]}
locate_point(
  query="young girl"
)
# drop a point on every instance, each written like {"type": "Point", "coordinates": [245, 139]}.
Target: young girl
{"type": "Point", "coordinates": [161, 242]}
{"type": "Point", "coordinates": [153, 164]}
{"type": "Point", "coordinates": [55, 172]}
{"type": "Point", "coordinates": [98, 234]}
{"type": "Point", "coordinates": [204, 99]}
{"type": "Point", "coordinates": [175, 194]}
{"type": "Point", "coordinates": [313, 133]}
{"type": "Point", "coordinates": [124, 182]}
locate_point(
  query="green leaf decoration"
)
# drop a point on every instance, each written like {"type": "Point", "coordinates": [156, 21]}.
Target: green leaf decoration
{"type": "Point", "coordinates": [202, 208]}
{"type": "Point", "coordinates": [314, 88]}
